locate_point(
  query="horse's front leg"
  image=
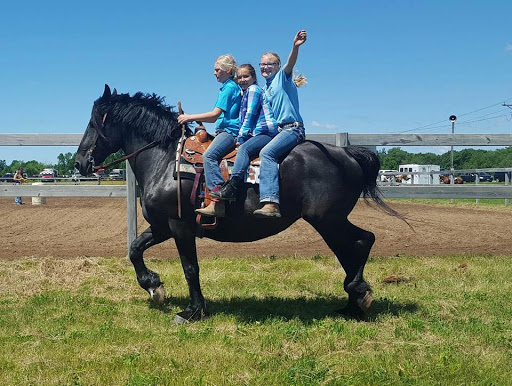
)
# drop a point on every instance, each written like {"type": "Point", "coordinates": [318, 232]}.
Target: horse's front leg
{"type": "Point", "coordinates": [185, 239]}
{"type": "Point", "coordinates": [147, 279]}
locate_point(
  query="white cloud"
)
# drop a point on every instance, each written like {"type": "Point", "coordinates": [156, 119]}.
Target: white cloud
{"type": "Point", "coordinates": [326, 126]}
{"type": "Point", "coordinates": [508, 47]}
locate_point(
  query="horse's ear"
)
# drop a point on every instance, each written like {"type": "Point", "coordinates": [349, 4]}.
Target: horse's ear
{"type": "Point", "coordinates": [114, 93]}
{"type": "Point", "coordinates": [106, 94]}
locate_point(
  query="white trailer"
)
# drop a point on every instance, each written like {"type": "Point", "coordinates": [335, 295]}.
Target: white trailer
{"type": "Point", "coordinates": [423, 177]}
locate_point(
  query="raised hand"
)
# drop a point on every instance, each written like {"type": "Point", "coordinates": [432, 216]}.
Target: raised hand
{"type": "Point", "coordinates": [300, 38]}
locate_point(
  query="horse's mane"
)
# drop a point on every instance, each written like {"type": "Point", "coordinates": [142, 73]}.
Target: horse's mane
{"type": "Point", "coordinates": [145, 114]}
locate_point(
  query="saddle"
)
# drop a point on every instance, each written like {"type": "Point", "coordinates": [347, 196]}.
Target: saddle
{"type": "Point", "coordinates": [196, 145]}
{"type": "Point", "coordinates": [191, 167]}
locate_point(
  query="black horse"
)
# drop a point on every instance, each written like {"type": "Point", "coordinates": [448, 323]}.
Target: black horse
{"type": "Point", "coordinates": [320, 183]}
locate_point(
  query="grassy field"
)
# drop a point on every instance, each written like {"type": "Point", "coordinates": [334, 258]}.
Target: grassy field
{"type": "Point", "coordinates": [86, 322]}
{"type": "Point", "coordinates": [484, 203]}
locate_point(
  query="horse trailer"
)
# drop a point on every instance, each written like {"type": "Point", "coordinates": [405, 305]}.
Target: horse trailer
{"type": "Point", "coordinates": [424, 176]}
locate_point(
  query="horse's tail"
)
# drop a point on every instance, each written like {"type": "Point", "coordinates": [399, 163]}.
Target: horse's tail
{"type": "Point", "coordinates": [370, 164]}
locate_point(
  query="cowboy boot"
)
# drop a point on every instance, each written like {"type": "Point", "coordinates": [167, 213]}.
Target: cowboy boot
{"type": "Point", "coordinates": [270, 209]}
{"type": "Point", "coordinates": [215, 209]}
{"type": "Point", "coordinates": [229, 190]}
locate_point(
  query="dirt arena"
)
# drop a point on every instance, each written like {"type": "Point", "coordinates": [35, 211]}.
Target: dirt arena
{"type": "Point", "coordinates": [70, 227]}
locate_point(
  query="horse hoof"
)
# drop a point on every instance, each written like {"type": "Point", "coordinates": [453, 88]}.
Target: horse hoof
{"type": "Point", "coordinates": [180, 320]}
{"type": "Point", "coordinates": [157, 295]}
{"type": "Point", "coordinates": [184, 317]}
{"type": "Point", "coordinates": [365, 302]}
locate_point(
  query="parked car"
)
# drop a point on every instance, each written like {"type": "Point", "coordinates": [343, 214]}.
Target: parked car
{"type": "Point", "coordinates": [500, 176]}
{"type": "Point", "coordinates": [387, 177]}
{"type": "Point", "coordinates": [117, 175]}
{"type": "Point", "coordinates": [100, 174]}
{"type": "Point", "coordinates": [7, 177]}
{"type": "Point", "coordinates": [468, 177]}
{"type": "Point", "coordinates": [48, 175]}
{"type": "Point", "coordinates": [485, 177]}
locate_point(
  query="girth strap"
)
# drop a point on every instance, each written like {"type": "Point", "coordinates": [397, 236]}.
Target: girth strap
{"type": "Point", "coordinates": [197, 180]}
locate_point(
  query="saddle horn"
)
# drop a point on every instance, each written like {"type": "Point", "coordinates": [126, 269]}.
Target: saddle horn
{"type": "Point", "coordinates": [199, 123]}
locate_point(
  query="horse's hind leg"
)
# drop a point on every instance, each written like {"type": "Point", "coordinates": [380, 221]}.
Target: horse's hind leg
{"type": "Point", "coordinates": [147, 279]}
{"type": "Point", "coordinates": [351, 246]}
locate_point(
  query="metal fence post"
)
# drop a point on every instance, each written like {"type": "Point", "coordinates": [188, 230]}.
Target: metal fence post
{"type": "Point", "coordinates": [341, 139]}
{"type": "Point", "coordinates": [131, 205]}
{"type": "Point", "coordinates": [507, 182]}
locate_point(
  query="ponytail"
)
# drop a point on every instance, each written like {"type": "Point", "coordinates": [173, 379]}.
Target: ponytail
{"type": "Point", "coordinates": [300, 80]}
{"type": "Point", "coordinates": [227, 63]}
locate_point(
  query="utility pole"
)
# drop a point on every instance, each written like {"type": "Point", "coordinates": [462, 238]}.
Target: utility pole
{"type": "Point", "coordinates": [453, 118]}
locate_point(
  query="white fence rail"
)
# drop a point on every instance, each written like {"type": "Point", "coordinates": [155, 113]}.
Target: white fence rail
{"type": "Point", "coordinates": [338, 139]}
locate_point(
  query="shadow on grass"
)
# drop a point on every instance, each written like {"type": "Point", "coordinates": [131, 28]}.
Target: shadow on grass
{"type": "Point", "coordinates": [253, 309]}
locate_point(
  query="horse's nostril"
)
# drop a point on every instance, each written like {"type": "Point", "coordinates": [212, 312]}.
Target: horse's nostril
{"type": "Point", "coordinates": [77, 165]}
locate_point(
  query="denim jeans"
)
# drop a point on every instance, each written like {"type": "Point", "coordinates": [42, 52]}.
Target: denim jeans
{"type": "Point", "coordinates": [271, 155]}
{"type": "Point", "coordinates": [246, 151]}
{"type": "Point", "coordinates": [17, 200]}
{"type": "Point", "coordinates": [222, 144]}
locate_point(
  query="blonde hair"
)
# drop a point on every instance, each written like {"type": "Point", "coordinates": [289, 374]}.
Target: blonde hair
{"type": "Point", "coordinates": [227, 63]}
{"type": "Point", "coordinates": [299, 80]}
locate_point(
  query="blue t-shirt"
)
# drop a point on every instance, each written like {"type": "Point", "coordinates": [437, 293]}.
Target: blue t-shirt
{"type": "Point", "coordinates": [229, 102]}
{"type": "Point", "coordinates": [282, 95]}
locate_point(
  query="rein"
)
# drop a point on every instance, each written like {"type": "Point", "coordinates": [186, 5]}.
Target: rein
{"type": "Point", "coordinates": [118, 161]}
{"type": "Point", "coordinates": [178, 160]}
{"type": "Point", "coordinates": [99, 133]}
{"type": "Point", "coordinates": [178, 157]}
{"type": "Point", "coordinates": [126, 157]}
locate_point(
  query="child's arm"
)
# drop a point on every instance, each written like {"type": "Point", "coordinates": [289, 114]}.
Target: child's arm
{"type": "Point", "coordinates": [300, 39]}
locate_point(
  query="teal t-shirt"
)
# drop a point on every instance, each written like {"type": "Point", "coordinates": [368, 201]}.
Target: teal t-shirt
{"type": "Point", "coordinates": [229, 102]}
{"type": "Point", "coordinates": [282, 95]}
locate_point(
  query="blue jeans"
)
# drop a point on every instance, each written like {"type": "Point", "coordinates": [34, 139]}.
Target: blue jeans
{"type": "Point", "coordinates": [17, 200]}
{"type": "Point", "coordinates": [222, 144]}
{"type": "Point", "coordinates": [246, 151]}
{"type": "Point", "coordinates": [270, 156]}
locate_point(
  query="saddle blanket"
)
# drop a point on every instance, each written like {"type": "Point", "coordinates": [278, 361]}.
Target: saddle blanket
{"type": "Point", "coordinates": [252, 175]}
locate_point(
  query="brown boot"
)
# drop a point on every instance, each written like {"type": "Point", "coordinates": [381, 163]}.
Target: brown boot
{"type": "Point", "coordinates": [270, 209]}
{"type": "Point", "coordinates": [215, 209]}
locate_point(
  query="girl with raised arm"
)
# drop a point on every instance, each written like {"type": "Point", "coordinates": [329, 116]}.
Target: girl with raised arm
{"type": "Point", "coordinates": [281, 92]}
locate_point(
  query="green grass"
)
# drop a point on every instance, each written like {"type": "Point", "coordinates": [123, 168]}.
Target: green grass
{"type": "Point", "coordinates": [484, 203]}
{"type": "Point", "coordinates": [85, 321]}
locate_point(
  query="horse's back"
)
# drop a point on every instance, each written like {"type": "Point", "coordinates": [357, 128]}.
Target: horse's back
{"type": "Point", "coordinates": [317, 178]}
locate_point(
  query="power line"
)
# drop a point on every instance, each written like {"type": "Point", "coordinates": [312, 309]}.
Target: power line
{"type": "Point", "coordinates": [485, 119]}
{"type": "Point", "coordinates": [428, 127]}
{"type": "Point", "coordinates": [491, 113]}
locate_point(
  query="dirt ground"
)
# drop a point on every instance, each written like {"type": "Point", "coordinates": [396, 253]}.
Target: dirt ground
{"type": "Point", "coordinates": [70, 227]}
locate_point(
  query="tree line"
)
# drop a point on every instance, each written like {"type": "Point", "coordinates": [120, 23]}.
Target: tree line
{"type": "Point", "coordinates": [65, 164]}
{"type": "Point", "coordinates": [390, 159]}
{"type": "Point", "coordinates": [462, 159]}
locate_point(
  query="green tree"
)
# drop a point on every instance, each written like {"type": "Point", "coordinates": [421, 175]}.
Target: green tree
{"type": "Point", "coordinates": [65, 163]}
{"type": "Point", "coordinates": [393, 157]}
{"type": "Point", "coordinates": [33, 167]}
{"type": "Point", "coordinates": [463, 159]}
{"type": "Point", "coordinates": [114, 157]}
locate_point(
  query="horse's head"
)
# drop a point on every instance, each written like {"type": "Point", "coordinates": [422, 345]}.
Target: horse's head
{"type": "Point", "coordinates": [100, 138]}
{"type": "Point", "coordinates": [129, 122]}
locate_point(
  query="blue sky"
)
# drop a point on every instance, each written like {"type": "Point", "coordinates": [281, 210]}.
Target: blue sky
{"type": "Point", "coordinates": [372, 67]}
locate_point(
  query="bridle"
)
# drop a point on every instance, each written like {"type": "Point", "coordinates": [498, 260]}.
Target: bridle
{"type": "Point", "coordinates": [99, 133]}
